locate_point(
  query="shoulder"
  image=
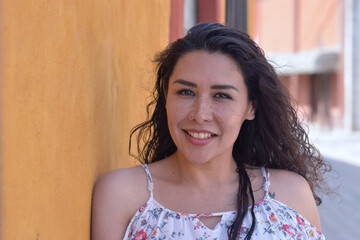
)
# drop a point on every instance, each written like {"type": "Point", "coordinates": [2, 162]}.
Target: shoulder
{"type": "Point", "coordinates": [116, 197]}
{"type": "Point", "coordinates": [122, 183]}
{"type": "Point", "coordinates": [293, 190]}
{"type": "Point", "coordinates": [125, 175]}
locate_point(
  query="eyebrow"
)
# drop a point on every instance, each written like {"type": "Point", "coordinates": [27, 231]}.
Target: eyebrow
{"type": "Point", "coordinates": [224, 87]}
{"type": "Point", "coordinates": [191, 84]}
{"type": "Point", "coordinates": [184, 82]}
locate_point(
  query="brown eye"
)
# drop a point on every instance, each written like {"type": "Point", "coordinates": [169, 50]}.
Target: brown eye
{"type": "Point", "coordinates": [222, 96]}
{"type": "Point", "coordinates": [186, 92]}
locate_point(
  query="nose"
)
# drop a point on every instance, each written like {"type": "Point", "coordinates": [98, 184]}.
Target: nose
{"type": "Point", "coordinates": [202, 110]}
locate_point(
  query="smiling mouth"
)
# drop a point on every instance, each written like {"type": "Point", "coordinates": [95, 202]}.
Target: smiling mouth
{"type": "Point", "coordinates": [200, 135]}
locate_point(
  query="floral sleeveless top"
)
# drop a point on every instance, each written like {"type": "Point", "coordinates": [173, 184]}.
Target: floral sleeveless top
{"type": "Point", "coordinates": [274, 220]}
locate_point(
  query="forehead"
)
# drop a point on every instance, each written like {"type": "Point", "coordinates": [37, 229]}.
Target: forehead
{"type": "Point", "coordinates": [207, 67]}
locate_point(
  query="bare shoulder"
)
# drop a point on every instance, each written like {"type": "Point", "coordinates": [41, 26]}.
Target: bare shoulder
{"type": "Point", "coordinates": [116, 197]}
{"type": "Point", "coordinates": [293, 190]}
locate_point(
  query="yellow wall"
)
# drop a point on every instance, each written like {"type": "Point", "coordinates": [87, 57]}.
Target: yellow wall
{"type": "Point", "coordinates": [74, 74]}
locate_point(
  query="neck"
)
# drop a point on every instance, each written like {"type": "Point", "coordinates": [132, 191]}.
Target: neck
{"type": "Point", "coordinates": [215, 172]}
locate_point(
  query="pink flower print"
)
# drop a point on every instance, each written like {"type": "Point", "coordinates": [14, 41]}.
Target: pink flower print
{"type": "Point", "coordinates": [142, 208]}
{"type": "Point", "coordinates": [300, 220]}
{"type": "Point", "coordinates": [273, 218]}
{"type": "Point", "coordinates": [141, 235]}
{"type": "Point", "coordinates": [243, 229]}
{"type": "Point", "coordinates": [288, 230]}
{"type": "Point", "coordinates": [198, 225]}
{"type": "Point", "coordinates": [177, 216]}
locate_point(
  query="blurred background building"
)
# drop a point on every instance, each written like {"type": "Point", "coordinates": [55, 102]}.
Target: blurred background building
{"type": "Point", "coordinates": [312, 45]}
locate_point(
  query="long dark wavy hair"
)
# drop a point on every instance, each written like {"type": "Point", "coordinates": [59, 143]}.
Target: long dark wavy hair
{"type": "Point", "coordinates": [273, 139]}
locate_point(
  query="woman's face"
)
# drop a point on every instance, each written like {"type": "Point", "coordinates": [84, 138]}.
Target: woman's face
{"type": "Point", "coordinates": [206, 105]}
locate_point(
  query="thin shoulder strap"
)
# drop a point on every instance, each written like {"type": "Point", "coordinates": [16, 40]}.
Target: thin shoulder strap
{"type": "Point", "coordinates": [266, 176]}
{"type": "Point", "coordinates": [150, 181]}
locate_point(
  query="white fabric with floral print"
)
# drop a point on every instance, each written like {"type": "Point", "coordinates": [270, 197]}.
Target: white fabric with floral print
{"type": "Point", "coordinates": [274, 220]}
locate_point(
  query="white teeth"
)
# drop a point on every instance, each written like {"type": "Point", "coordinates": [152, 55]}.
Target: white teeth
{"type": "Point", "coordinates": [200, 135]}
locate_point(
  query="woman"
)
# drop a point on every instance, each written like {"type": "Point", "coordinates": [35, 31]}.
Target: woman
{"type": "Point", "coordinates": [221, 130]}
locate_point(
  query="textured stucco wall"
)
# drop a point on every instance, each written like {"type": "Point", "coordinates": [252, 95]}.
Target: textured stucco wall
{"type": "Point", "coordinates": [74, 76]}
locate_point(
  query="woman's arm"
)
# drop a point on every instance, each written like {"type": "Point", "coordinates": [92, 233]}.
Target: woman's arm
{"type": "Point", "coordinates": [115, 201]}
{"type": "Point", "coordinates": [294, 191]}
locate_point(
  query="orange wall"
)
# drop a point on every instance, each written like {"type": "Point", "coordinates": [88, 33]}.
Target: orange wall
{"type": "Point", "coordinates": [73, 79]}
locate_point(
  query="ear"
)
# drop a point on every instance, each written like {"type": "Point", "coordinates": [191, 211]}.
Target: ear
{"type": "Point", "coordinates": [250, 115]}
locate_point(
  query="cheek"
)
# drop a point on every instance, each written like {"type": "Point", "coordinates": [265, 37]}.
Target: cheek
{"type": "Point", "coordinates": [231, 119]}
{"type": "Point", "coordinates": [174, 113]}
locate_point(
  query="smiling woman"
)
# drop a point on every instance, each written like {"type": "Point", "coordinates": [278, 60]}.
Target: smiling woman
{"type": "Point", "coordinates": [206, 104]}
{"type": "Point", "coordinates": [221, 125]}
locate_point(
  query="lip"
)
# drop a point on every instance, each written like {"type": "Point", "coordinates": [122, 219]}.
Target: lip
{"type": "Point", "coordinates": [199, 142]}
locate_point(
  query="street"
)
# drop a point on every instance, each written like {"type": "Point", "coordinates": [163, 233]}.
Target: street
{"type": "Point", "coordinates": [339, 212]}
